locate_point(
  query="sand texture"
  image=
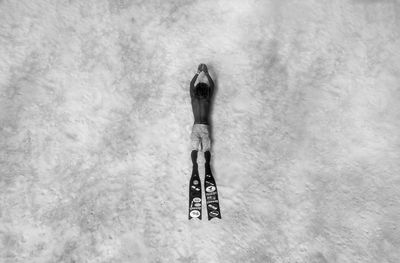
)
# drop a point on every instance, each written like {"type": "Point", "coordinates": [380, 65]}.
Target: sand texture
{"type": "Point", "coordinates": [95, 122]}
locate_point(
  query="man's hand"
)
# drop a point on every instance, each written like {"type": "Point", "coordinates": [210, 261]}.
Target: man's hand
{"type": "Point", "coordinates": [205, 69]}
{"type": "Point", "coordinates": [202, 67]}
{"type": "Point", "coordinates": [199, 68]}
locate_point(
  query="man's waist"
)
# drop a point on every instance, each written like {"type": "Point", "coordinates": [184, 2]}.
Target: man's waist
{"type": "Point", "coordinates": [201, 122]}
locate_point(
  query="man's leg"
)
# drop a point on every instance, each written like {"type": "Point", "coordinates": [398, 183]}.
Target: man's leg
{"type": "Point", "coordinates": [194, 161]}
{"type": "Point", "coordinates": [207, 156]}
{"type": "Point", "coordinates": [195, 140]}
{"type": "Point", "coordinates": [194, 184]}
{"type": "Point", "coordinates": [205, 138]}
{"type": "Point", "coordinates": [206, 142]}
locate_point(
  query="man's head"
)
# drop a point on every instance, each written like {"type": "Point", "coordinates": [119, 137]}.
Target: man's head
{"type": "Point", "coordinates": [201, 90]}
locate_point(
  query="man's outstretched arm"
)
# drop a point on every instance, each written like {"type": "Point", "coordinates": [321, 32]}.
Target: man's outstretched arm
{"type": "Point", "coordinates": [192, 84]}
{"type": "Point", "coordinates": [211, 82]}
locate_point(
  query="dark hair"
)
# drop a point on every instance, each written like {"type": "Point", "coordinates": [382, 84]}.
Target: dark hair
{"type": "Point", "coordinates": [201, 90]}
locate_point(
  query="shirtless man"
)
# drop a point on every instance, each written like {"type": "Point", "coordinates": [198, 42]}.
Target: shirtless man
{"type": "Point", "coordinates": [201, 95]}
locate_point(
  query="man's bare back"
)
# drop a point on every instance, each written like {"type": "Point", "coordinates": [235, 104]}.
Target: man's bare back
{"type": "Point", "coordinates": [201, 110]}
